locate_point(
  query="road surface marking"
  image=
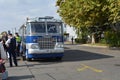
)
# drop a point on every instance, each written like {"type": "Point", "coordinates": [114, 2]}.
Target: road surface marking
{"type": "Point", "coordinates": [89, 67]}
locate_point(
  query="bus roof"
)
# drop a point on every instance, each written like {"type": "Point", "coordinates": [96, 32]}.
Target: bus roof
{"type": "Point", "coordinates": [43, 19]}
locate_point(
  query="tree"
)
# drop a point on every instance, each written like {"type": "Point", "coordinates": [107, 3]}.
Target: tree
{"type": "Point", "coordinates": [89, 13]}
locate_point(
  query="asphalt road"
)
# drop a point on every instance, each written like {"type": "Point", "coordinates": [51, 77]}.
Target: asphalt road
{"type": "Point", "coordinates": [79, 63]}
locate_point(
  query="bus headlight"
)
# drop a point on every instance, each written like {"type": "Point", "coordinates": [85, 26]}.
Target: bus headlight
{"type": "Point", "coordinates": [59, 45]}
{"type": "Point", "coordinates": [34, 46]}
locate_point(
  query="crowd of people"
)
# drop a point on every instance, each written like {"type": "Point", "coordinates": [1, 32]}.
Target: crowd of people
{"type": "Point", "coordinates": [9, 49]}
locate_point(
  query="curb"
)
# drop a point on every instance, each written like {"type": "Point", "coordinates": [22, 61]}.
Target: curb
{"type": "Point", "coordinates": [93, 46]}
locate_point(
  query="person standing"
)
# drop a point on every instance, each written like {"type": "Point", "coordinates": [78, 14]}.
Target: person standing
{"type": "Point", "coordinates": [3, 58]}
{"type": "Point", "coordinates": [4, 39]}
{"type": "Point", "coordinates": [18, 40]}
{"type": "Point", "coordinates": [72, 39]}
{"type": "Point", "coordinates": [11, 45]}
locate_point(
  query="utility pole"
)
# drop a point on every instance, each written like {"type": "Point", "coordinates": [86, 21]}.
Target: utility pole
{"type": "Point", "coordinates": [15, 30]}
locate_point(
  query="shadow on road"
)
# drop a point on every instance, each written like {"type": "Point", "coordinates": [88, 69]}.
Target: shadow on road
{"type": "Point", "coordinates": [79, 55]}
{"type": "Point", "coordinates": [25, 77]}
{"type": "Point", "coordinates": [74, 55]}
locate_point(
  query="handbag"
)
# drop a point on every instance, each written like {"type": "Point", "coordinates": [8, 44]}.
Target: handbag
{"type": "Point", "coordinates": [2, 68]}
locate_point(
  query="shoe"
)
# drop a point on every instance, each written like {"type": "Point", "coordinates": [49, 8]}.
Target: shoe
{"type": "Point", "coordinates": [16, 65]}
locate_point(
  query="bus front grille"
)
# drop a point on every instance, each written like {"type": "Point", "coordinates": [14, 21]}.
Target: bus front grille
{"type": "Point", "coordinates": [47, 43]}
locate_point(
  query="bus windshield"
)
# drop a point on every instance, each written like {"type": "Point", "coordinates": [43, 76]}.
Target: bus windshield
{"type": "Point", "coordinates": [53, 28]}
{"type": "Point", "coordinates": [49, 28]}
{"type": "Point", "coordinates": [38, 28]}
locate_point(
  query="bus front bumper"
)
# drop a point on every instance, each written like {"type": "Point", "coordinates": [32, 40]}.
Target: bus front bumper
{"type": "Point", "coordinates": [38, 51]}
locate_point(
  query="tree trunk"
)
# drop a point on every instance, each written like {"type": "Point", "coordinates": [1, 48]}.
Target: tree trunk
{"type": "Point", "coordinates": [93, 38]}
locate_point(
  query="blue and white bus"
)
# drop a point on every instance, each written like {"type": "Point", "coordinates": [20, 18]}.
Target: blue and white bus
{"type": "Point", "coordinates": [42, 38]}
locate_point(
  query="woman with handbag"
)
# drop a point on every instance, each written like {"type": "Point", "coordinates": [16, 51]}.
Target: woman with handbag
{"type": "Point", "coordinates": [3, 58]}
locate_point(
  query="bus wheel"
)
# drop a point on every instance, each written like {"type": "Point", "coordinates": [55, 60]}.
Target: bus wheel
{"type": "Point", "coordinates": [58, 58]}
{"type": "Point", "coordinates": [23, 58]}
{"type": "Point", "coordinates": [28, 59]}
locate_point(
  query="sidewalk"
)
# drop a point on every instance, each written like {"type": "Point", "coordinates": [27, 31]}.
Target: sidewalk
{"type": "Point", "coordinates": [21, 72]}
{"type": "Point", "coordinates": [94, 45]}
{"type": "Point", "coordinates": [69, 43]}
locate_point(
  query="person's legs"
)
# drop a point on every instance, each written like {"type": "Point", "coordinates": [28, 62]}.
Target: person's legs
{"type": "Point", "coordinates": [18, 49]}
{"type": "Point", "coordinates": [0, 76]}
{"type": "Point", "coordinates": [14, 58]}
{"type": "Point", "coordinates": [5, 75]}
{"type": "Point", "coordinates": [10, 58]}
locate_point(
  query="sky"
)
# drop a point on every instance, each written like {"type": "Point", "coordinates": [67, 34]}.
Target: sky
{"type": "Point", "coordinates": [13, 13]}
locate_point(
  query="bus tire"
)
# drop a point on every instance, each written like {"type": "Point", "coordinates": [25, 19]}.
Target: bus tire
{"type": "Point", "coordinates": [28, 59]}
{"type": "Point", "coordinates": [23, 58]}
{"type": "Point", "coordinates": [58, 58]}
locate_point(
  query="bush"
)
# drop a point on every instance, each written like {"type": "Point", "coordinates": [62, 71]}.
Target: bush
{"type": "Point", "coordinates": [78, 40]}
{"type": "Point", "coordinates": [103, 41]}
{"type": "Point", "coordinates": [112, 38]}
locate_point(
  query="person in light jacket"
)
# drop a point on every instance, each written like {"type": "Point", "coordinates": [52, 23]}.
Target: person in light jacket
{"type": "Point", "coordinates": [3, 56]}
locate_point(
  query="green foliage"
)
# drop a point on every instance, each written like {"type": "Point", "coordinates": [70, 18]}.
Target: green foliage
{"type": "Point", "coordinates": [102, 41]}
{"type": "Point", "coordinates": [79, 40]}
{"type": "Point", "coordinates": [88, 13]}
{"type": "Point", "coordinates": [112, 38]}
{"type": "Point", "coordinates": [91, 13]}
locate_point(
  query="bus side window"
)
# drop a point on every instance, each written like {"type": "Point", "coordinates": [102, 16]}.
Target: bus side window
{"type": "Point", "coordinates": [28, 30]}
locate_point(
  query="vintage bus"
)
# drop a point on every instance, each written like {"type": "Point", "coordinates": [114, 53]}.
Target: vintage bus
{"type": "Point", "coordinates": [42, 38]}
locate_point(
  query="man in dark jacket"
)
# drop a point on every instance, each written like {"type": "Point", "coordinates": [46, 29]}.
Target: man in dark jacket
{"type": "Point", "coordinates": [11, 44]}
